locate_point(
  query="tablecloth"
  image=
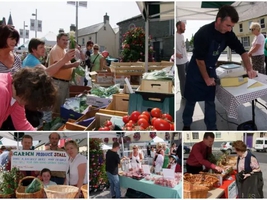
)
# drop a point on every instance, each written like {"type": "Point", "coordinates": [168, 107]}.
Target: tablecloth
{"type": "Point", "coordinates": [148, 187]}
{"type": "Point", "coordinates": [232, 97]}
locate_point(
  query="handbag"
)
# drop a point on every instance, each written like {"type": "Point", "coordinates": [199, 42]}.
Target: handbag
{"type": "Point", "coordinates": [93, 62]}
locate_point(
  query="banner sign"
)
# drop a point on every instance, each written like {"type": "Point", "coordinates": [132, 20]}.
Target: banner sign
{"type": "Point", "coordinates": [32, 160]}
{"type": "Point", "coordinates": [37, 27]}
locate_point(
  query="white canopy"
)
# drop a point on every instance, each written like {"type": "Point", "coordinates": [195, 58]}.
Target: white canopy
{"type": "Point", "coordinates": [50, 39]}
{"type": "Point", "coordinates": [157, 139]}
{"type": "Point", "coordinates": [9, 143]}
{"type": "Point", "coordinates": [105, 147]}
{"type": "Point", "coordinates": [193, 10]}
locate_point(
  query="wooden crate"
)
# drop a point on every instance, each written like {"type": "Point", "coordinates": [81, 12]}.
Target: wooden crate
{"type": "Point", "coordinates": [100, 119]}
{"type": "Point", "coordinates": [157, 86]}
{"type": "Point", "coordinates": [127, 68]}
{"type": "Point", "coordinates": [119, 102]}
{"type": "Point", "coordinates": [103, 79]}
{"type": "Point", "coordinates": [113, 112]}
{"type": "Point", "coordinates": [75, 90]}
{"type": "Point", "coordinates": [72, 126]}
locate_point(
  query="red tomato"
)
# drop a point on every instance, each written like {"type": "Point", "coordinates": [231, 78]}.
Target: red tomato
{"type": "Point", "coordinates": [134, 116]}
{"type": "Point", "coordinates": [156, 112]}
{"type": "Point", "coordinates": [153, 119]}
{"type": "Point", "coordinates": [161, 125]}
{"type": "Point", "coordinates": [128, 128]}
{"type": "Point", "coordinates": [126, 119]}
{"type": "Point", "coordinates": [146, 113]}
{"type": "Point", "coordinates": [143, 123]}
{"type": "Point", "coordinates": [104, 128]}
{"type": "Point", "coordinates": [144, 117]}
{"type": "Point", "coordinates": [108, 123]}
{"type": "Point", "coordinates": [172, 127]}
{"type": "Point", "coordinates": [167, 116]}
{"type": "Point", "coordinates": [129, 124]}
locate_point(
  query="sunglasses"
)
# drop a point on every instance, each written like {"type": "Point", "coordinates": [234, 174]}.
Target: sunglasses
{"type": "Point", "coordinates": [96, 48]}
{"type": "Point", "coordinates": [252, 29]}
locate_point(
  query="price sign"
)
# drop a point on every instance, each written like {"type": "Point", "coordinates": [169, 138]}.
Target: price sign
{"type": "Point", "coordinates": [232, 190]}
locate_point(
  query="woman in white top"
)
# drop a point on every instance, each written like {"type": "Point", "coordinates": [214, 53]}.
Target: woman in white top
{"type": "Point", "coordinates": [256, 51]}
{"type": "Point", "coordinates": [136, 157]}
{"type": "Point", "coordinates": [77, 173]}
{"type": "Point", "coordinates": [159, 161]}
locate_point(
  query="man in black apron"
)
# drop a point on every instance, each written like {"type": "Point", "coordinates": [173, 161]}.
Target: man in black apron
{"type": "Point", "coordinates": [209, 42]}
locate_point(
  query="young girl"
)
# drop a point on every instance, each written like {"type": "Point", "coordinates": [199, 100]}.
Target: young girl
{"type": "Point", "coordinates": [46, 175]}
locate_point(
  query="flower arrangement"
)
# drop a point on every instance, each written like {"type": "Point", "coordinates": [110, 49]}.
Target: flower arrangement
{"type": "Point", "coordinates": [10, 181]}
{"type": "Point", "coordinates": [133, 46]}
{"type": "Point", "coordinates": [106, 140]}
{"type": "Point", "coordinates": [152, 135]}
{"type": "Point", "coordinates": [137, 136]}
{"type": "Point", "coordinates": [72, 43]}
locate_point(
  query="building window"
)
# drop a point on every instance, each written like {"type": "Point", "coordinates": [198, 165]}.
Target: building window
{"type": "Point", "coordinates": [104, 28]}
{"type": "Point", "coordinates": [187, 136]}
{"type": "Point", "coordinates": [240, 28]}
{"type": "Point", "coordinates": [172, 28]}
{"type": "Point", "coordinates": [102, 48]}
{"type": "Point", "coordinates": [249, 23]}
{"type": "Point", "coordinates": [262, 23]}
{"type": "Point", "coordinates": [195, 135]}
{"type": "Point", "coordinates": [264, 33]}
{"type": "Point", "coordinates": [90, 38]}
{"type": "Point", "coordinates": [218, 135]}
{"type": "Point", "coordinates": [83, 42]}
{"type": "Point", "coordinates": [245, 41]}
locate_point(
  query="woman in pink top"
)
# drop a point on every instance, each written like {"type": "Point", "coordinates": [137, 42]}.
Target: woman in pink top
{"type": "Point", "coordinates": [29, 86]}
{"type": "Point", "coordinates": [257, 48]}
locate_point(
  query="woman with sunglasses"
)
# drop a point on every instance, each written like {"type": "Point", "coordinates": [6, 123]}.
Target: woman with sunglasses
{"type": "Point", "coordinates": [256, 51]}
{"type": "Point", "coordinates": [136, 157]}
{"type": "Point", "coordinates": [96, 57]}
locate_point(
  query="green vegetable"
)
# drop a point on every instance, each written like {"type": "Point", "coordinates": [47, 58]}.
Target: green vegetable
{"type": "Point", "coordinates": [53, 125]}
{"type": "Point", "coordinates": [72, 40]}
{"type": "Point", "coordinates": [35, 186]}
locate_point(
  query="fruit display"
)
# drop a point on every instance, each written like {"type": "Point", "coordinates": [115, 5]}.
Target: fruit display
{"type": "Point", "coordinates": [203, 179]}
{"type": "Point", "coordinates": [154, 120]}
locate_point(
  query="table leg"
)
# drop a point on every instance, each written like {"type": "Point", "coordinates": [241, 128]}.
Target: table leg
{"type": "Point", "coordinates": [253, 111]}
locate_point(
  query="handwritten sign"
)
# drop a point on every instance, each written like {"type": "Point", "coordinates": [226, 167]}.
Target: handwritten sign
{"type": "Point", "coordinates": [37, 160]}
{"type": "Point", "coordinates": [232, 190]}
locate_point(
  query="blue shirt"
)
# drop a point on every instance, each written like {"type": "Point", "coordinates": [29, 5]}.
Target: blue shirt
{"type": "Point", "coordinates": [30, 61]}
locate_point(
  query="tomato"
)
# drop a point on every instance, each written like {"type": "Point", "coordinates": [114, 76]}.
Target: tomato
{"type": "Point", "coordinates": [108, 123]}
{"type": "Point", "coordinates": [146, 113]}
{"type": "Point", "coordinates": [144, 117]}
{"type": "Point", "coordinates": [167, 116]}
{"type": "Point", "coordinates": [105, 128]}
{"type": "Point", "coordinates": [156, 112]}
{"type": "Point", "coordinates": [138, 128]}
{"type": "Point", "coordinates": [126, 119]}
{"type": "Point", "coordinates": [143, 123]}
{"type": "Point", "coordinates": [172, 127]}
{"type": "Point", "coordinates": [134, 116]}
{"type": "Point", "coordinates": [127, 128]}
{"type": "Point", "coordinates": [129, 124]}
{"type": "Point", "coordinates": [153, 119]}
{"type": "Point", "coordinates": [161, 125]}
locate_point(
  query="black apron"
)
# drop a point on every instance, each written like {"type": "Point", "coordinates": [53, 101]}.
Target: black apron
{"type": "Point", "coordinates": [195, 86]}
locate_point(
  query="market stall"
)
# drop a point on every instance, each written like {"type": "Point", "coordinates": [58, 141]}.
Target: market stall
{"type": "Point", "coordinates": [212, 184]}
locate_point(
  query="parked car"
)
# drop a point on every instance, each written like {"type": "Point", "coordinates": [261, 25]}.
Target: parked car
{"type": "Point", "coordinates": [186, 149]}
{"type": "Point", "coordinates": [227, 147]}
{"type": "Point", "coordinates": [261, 144]}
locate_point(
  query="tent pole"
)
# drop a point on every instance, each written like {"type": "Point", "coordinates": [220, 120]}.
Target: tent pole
{"type": "Point", "coordinates": [146, 37]}
{"type": "Point", "coordinates": [229, 54]}
{"type": "Point", "coordinates": [122, 146]}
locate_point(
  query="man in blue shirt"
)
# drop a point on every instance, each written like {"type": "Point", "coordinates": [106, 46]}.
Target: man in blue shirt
{"type": "Point", "coordinates": [37, 49]}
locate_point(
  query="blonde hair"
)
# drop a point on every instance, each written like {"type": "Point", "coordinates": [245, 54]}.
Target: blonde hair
{"type": "Point", "coordinates": [135, 146]}
{"type": "Point", "coordinates": [255, 25]}
{"type": "Point", "coordinates": [96, 46]}
{"type": "Point", "coordinates": [73, 143]}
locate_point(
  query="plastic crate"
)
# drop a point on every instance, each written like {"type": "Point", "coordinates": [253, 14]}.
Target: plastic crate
{"type": "Point", "coordinates": [147, 101]}
{"type": "Point", "coordinates": [69, 114]}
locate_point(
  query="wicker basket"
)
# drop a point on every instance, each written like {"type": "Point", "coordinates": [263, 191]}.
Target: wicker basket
{"type": "Point", "coordinates": [192, 191]}
{"type": "Point", "coordinates": [84, 190]}
{"type": "Point", "coordinates": [20, 191]}
{"type": "Point", "coordinates": [61, 192]}
{"type": "Point", "coordinates": [7, 196]}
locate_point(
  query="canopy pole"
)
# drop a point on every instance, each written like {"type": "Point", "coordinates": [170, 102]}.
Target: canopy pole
{"type": "Point", "coordinates": [122, 144]}
{"type": "Point", "coordinates": [146, 37]}
{"type": "Point", "coordinates": [229, 54]}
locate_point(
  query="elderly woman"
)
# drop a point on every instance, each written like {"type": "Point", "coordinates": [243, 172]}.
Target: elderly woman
{"type": "Point", "coordinates": [77, 174]}
{"type": "Point", "coordinates": [249, 173]}
{"type": "Point", "coordinates": [136, 157]}
{"type": "Point", "coordinates": [29, 86]}
{"type": "Point", "coordinates": [256, 51]}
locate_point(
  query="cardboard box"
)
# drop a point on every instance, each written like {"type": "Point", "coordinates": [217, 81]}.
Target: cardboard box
{"type": "Point", "coordinates": [233, 82]}
{"type": "Point", "coordinates": [119, 102]}
{"type": "Point", "coordinates": [97, 101]}
{"type": "Point", "coordinates": [158, 86]}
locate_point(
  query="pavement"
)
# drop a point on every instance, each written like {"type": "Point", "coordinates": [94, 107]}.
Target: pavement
{"type": "Point", "coordinates": [223, 122]}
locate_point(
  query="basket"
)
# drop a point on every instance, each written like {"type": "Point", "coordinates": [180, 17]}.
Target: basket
{"type": "Point", "coordinates": [192, 191]}
{"type": "Point", "coordinates": [61, 192]}
{"type": "Point", "coordinates": [7, 196]}
{"type": "Point", "coordinates": [20, 191]}
{"type": "Point", "coordinates": [203, 179]}
{"type": "Point", "coordinates": [84, 190]}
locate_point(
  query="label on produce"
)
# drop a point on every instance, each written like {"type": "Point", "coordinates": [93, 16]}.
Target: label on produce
{"type": "Point", "coordinates": [232, 190]}
{"type": "Point", "coordinates": [31, 160]}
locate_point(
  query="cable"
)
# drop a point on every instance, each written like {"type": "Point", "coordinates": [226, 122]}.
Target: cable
{"type": "Point", "coordinates": [226, 119]}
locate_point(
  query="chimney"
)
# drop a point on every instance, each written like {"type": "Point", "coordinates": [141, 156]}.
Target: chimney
{"type": "Point", "coordinates": [106, 19]}
{"type": "Point", "coordinates": [72, 27]}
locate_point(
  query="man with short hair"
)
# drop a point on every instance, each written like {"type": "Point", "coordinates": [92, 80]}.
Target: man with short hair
{"type": "Point", "coordinates": [64, 74]}
{"type": "Point", "coordinates": [56, 176]}
{"type": "Point", "coordinates": [209, 42]}
{"type": "Point", "coordinates": [181, 55]}
{"type": "Point", "coordinates": [112, 168]}
{"type": "Point", "coordinates": [89, 46]}
{"type": "Point", "coordinates": [199, 155]}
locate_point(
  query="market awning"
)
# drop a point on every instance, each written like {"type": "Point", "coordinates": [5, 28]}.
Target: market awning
{"type": "Point", "coordinates": [207, 10]}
